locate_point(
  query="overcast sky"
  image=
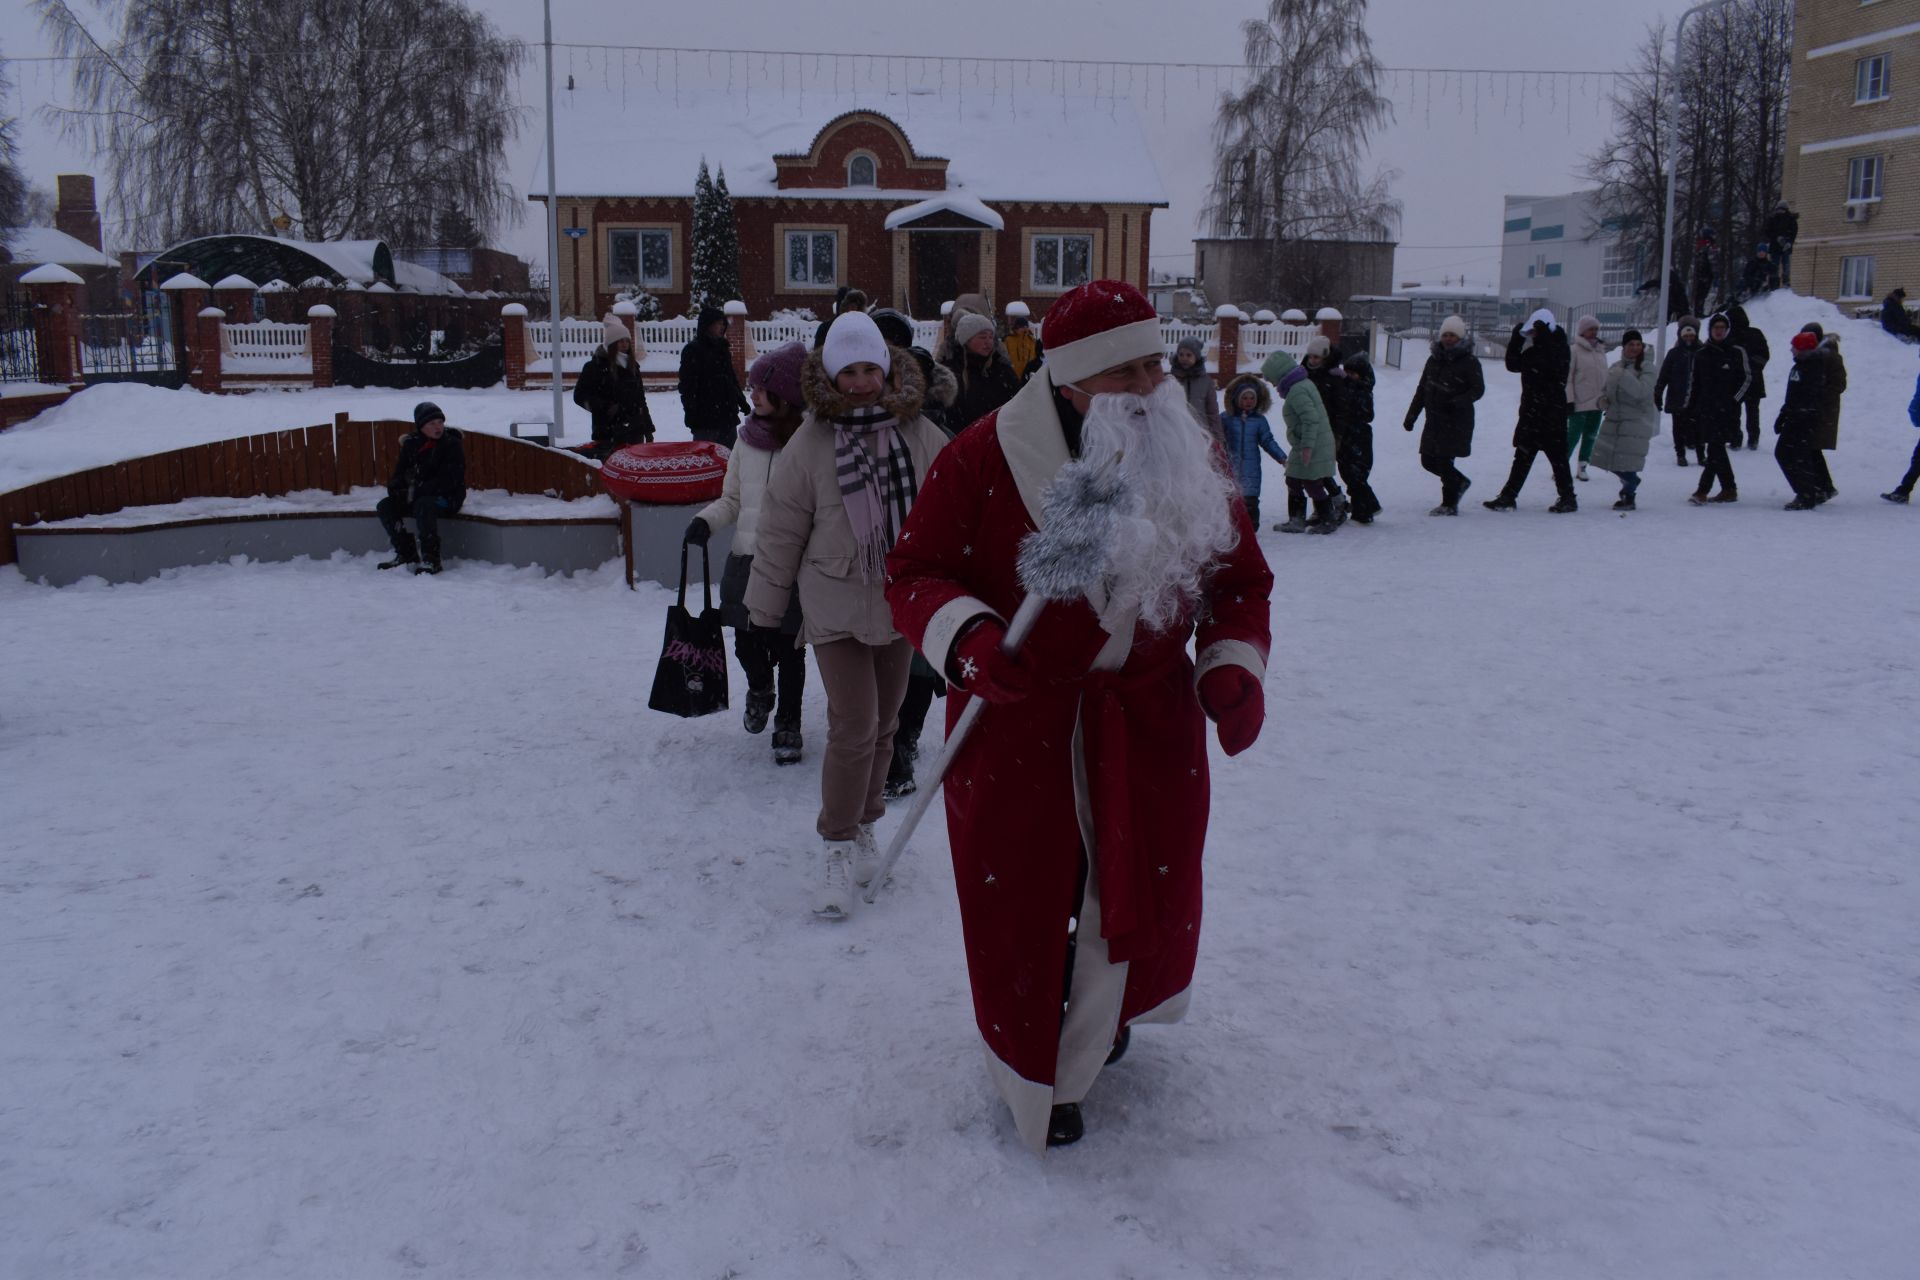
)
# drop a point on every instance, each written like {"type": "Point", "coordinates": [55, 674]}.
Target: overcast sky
{"type": "Point", "coordinates": [1457, 158]}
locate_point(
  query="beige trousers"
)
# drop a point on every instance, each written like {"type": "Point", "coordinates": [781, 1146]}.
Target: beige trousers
{"type": "Point", "coordinates": [865, 685]}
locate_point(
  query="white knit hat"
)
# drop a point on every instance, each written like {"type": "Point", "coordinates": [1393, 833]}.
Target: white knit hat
{"type": "Point", "coordinates": [1318, 345]}
{"type": "Point", "coordinates": [970, 326]}
{"type": "Point", "coordinates": [615, 331]}
{"type": "Point", "coordinates": [1455, 325]}
{"type": "Point", "coordinates": [854, 339]}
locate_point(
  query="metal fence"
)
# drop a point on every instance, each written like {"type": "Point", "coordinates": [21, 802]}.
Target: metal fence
{"type": "Point", "coordinates": [131, 346]}
{"type": "Point", "coordinates": [19, 351]}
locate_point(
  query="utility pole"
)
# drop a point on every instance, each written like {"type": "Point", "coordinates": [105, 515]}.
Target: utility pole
{"type": "Point", "coordinates": [553, 248]}
{"type": "Point", "coordinates": [1673, 170]}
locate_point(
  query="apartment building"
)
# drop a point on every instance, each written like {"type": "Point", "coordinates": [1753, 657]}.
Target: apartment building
{"type": "Point", "coordinates": [1852, 168]}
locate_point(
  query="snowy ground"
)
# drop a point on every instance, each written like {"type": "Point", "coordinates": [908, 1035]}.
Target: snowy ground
{"type": "Point", "coordinates": [1561, 925]}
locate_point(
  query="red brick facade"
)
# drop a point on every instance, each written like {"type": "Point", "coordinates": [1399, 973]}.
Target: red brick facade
{"type": "Point", "coordinates": [914, 269]}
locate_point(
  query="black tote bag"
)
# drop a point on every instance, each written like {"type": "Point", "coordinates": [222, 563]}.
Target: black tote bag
{"type": "Point", "coordinates": [692, 677]}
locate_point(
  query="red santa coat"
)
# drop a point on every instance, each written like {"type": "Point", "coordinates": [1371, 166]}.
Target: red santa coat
{"type": "Point", "coordinates": [1107, 754]}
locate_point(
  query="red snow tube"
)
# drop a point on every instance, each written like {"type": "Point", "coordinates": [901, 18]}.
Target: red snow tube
{"type": "Point", "coordinates": [667, 474]}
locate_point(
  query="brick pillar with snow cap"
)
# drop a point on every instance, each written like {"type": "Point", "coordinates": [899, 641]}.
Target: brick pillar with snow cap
{"type": "Point", "coordinates": [189, 294]}
{"type": "Point", "coordinates": [320, 343]}
{"type": "Point", "coordinates": [205, 352]}
{"type": "Point", "coordinates": [513, 323]}
{"type": "Point", "coordinates": [1226, 320]}
{"type": "Point", "coordinates": [737, 337]}
{"type": "Point", "coordinates": [234, 295]}
{"type": "Point", "coordinates": [1329, 321]}
{"type": "Point", "coordinates": [55, 291]}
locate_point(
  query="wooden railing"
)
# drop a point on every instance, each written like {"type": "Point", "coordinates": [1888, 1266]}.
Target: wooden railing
{"type": "Point", "coordinates": [336, 457]}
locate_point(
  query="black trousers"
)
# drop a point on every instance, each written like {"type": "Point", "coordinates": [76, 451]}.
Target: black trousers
{"type": "Point", "coordinates": [1913, 473]}
{"type": "Point", "coordinates": [1355, 460]}
{"type": "Point", "coordinates": [426, 512]}
{"type": "Point", "coordinates": [1718, 467]}
{"type": "Point", "coordinates": [1753, 424]}
{"type": "Point", "coordinates": [765, 654]}
{"type": "Point", "coordinates": [1820, 469]}
{"type": "Point", "coordinates": [1795, 453]}
{"type": "Point", "coordinates": [921, 689]}
{"type": "Point", "coordinates": [1452, 483]}
{"type": "Point", "coordinates": [1523, 456]}
{"type": "Point", "coordinates": [1253, 507]}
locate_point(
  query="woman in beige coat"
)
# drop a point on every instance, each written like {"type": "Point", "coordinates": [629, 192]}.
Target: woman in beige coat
{"type": "Point", "coordinates": [1586, 377]}
{"type": "Point", "coordinates": [832, 510]}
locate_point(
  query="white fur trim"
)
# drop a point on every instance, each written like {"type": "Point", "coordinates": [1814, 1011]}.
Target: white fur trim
{"type": "Point", "coordinates": [1235, 653]}
{"type": "Point", "coordinates": [937, 643]}
{"type": "Point", "coordinates": [1093, 1002]}
{"type": "Point", "coordinates": [1098, 351]}
{"type": "Point", "coordinates": [1032, 440]}
{"type": "Point", "coordinates": [1172, 1009]}
{"type": "Point", "coordinates": [1030, 1101]}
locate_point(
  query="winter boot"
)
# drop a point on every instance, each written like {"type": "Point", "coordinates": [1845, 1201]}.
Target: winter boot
{"type": "Point", "coordinates": [1064, 1126]}
{"type": "Point", "coordinates": [786, 746]}
{"type": "Point", "coordinates": [1803, 503]}
{"type": "Point", "coordinates": [833, 896]}
{"type": "Point", "coordinates": [1897, 495]}
{"type": "Point", "coordinates": [1825, 496]}
{"type": "Point", "coordinates": [1581, 474]}
{"type": "Point", "coordinates": [1565, 506]}
{"type": "Point", "coordinates": [1697, 499]}
{"type": "Point", "coordinates": [1445, 509]}
{"type": "Point", "coordinates": [1679, 458]}
{"type": "Point", "coordinates": [1296, 514]}
{"type": "Point", "coordinates": [405, 551]}
{"type": "Point", "coordinates": [1727, 494]}
{"type": "Point", "coordinates": [1624, 503]}
{"type": "Point", "coordinates": [759, 707]}
{"type": "Point", "coordinates": [1499, 502]}
{"type": "Point", "coordinates": [1294, 524]}
{"type": "Point", "coordinates": [1120, 1043]}
{"type": "Point", "coordinates": [866, 856]}
{"type": "Point", "coordinates": [430, 555]}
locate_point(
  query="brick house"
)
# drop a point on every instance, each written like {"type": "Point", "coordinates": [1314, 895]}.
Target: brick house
{"type": "Point", "coordinates": [911, 198]}
{"type": "Point", "coordinates": [1852, 168]}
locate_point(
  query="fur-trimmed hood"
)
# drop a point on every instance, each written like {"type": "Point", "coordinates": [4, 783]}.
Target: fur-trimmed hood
{"type": "Point", "coordinates": [943, 388]}
{"type": "Point", "coordinates": [906, 389]}
{"type": "Point", "coordinates": [1230, 399]}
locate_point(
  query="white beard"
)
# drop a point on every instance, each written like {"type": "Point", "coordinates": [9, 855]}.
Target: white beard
{"type": "Point", "coordinates": [1178, 518]}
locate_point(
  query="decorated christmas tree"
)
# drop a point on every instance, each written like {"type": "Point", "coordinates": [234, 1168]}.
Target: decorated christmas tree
{"type": "Point", "coordinates": [716, 243]}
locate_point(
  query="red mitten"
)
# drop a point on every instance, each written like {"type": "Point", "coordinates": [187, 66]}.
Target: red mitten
{"type": "Point", "coordinates": [983, 668]}
{"type": "Point", "coordinates": [1234, 701]}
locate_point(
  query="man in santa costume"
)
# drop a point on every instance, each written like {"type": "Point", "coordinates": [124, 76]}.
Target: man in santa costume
{"type": "Point", "coordinates": [1077, 809]}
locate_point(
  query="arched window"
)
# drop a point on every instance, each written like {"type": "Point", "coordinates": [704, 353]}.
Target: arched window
{"type": "Point", "coordinates": [860, 171]}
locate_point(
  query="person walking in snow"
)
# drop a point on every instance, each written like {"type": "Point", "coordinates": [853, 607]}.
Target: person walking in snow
{"type": "Point", "coordinates": [1353, 387]}
{"type": "Point", "coordinates": [1783, 228]}
{"type": "Point", "coordinates": [1798, 423]}
{"type": "Point", "coordinates": [837, 502]}
{"type": "Point", "coordinates": [1904, 490]}
{"type": "Point", "coordinates": [1706, 270]}
{"type": "Point", "coordinates": [1630, 421]}
{"type": "Point", "coordinates": [611, 390]}
{"type": "Point", "coordinates": [1021, 343]}
{"type": "Point", "coordinates": [1586, 376]}
{"type": "Point", "coordinates": [1760, 274]}
{"type": "Point", "coordinates": [1538, 352]}
{"type": "Point", "coordinates": [1310, 448]}
{"type": "Point", "coordinates": [985, 376]}
{"type": "Point", "coordinates": [773, 658]}
{"type": "Point", "coordinates": [1248, 434]}
{"type": "Point", "coordinates": [1834, 382]}
{"type": "Point", "coordinates": [710, 395]}
{"type": "Point", "coordinates": [1321, 360]}
{"type": "Point", "coordinates": [1754, 343]}
{"type": "Point", "coordinates": [1077, 808]}
{"type": "Point", "coordinates": [1720, 381]}
{"type": "Point", "coordinates": [429, 481]}
{"type": "Point", "coordinates": [1196, 384]}
{"type": "Point", "coordinates": [1673, 391]}
{"type": "Point", "coordinates": [1450, 383]}
{"type": "Point", "coordinates": [1895, 319]}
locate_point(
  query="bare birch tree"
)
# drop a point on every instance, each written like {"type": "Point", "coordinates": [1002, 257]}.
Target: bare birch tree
{"type": "Point", "coordinates": [326, 119]}
{"type": "Point", "coordinates": [14, 188]}
{"type": "Point", "coordinates": [1287, 147]}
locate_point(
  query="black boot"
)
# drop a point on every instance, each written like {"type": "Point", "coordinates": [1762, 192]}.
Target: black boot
{"type": "Point", "coordinates": [759, 707]}
{"type": "Point", "coordinates": [1064, 1126]}
{"type": "Point", "coordinates": [1120, 1043]}
{"type": "Point", "coordinates": [1565, 505]}
{"type": "Point", "coordinates": [786, 745]}
{"type": "Point", "coordinates": [405, 551]}
{"type": "Point", "coordinates": [430, 555]}
{"type": "Point", "coordinates": [1498, 502]}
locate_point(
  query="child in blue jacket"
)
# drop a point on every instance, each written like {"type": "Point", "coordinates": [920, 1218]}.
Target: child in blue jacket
{"type": "Point", "coordinates": [1246, 433]}
{"type": "Point", "coordinates": [1904, 490]}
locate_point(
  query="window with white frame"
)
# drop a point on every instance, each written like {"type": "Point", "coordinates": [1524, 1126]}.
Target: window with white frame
{"type": "Point", "coordinates": [1619, 269]}
{"type": "Point", "coordinates": [1856, 277]}
{"type": "Point", "coordinates": [640, 256]}
{"type": "Point", "coordinates": [812, 259]}
{"type": "Point", "coordinates": [1062, 261]}
{"type": "Point", "coordinates": [1864, 179]}
{"type": "Point", "coordinates": [1872, 78]}
{"type": "Point", "coordinates": [860, 172]}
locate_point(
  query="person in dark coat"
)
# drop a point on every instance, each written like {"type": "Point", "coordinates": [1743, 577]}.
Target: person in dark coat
{"type": "Point", "coordinates": [1798, 423]}
{"type": "Point", "coordinates": [1450, 383]}
{"type": "Point", "coordinates": [1720, 381]}
{"type": "Point", "coordinates": [1748, 337]}
{"type": "Point", "coordinates": [610, 389]}
{"type": "Point", "coordinates": [1673, 392]}
{"type": "Point", "coordinates": [1706, 270]}
{"type": "Point", "coordinates": [1539, 353]}
{"type": "Point", "coordinates": [1894, 318]}
{"type": "Point", "coordinates": [1760, 273]}
{"type": "Point", "coordinates": [1676, 293]}
{"type": "Point", "coordinates": [1904, 490]}
{"type": "Point", "coordinates": [710, 394]}
{"type": "Point", "coordinates": [429, 481]}
{"type": "Point", "coordinates": [1352, 383]}
{"type": "Point", "coordinates": [1834, 383]}
{"type": "Point", "coordinates": [1783, 228]}
{"type": "Point", "coordinates": [986, 377]}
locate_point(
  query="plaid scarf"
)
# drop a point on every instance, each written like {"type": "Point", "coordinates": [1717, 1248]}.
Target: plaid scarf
{"type": "Point", "coordinates": [877, 484]}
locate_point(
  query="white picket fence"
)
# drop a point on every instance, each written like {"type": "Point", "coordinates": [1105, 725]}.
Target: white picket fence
{"type": "Point", "coordinates": [1258, 341]}
{"type": "Point", "coordinates": [265, 347]}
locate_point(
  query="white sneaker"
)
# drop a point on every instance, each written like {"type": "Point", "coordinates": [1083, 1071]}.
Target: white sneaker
{"type": "Point", "coordinates": [1582, 473]}
{"type": "Point", "coordinates": [866, 856]}
{"type": "Point", "coordinates": [833, 899]}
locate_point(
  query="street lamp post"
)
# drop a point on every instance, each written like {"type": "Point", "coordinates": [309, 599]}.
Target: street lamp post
{"type": "Point", "coordinates": [1673, 170]}
{"type": "Point", "coordinates": [553, 249]}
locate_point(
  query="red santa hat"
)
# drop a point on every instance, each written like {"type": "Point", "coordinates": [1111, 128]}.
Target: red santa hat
{"type": "Point", "coordinates": [1097, 326]}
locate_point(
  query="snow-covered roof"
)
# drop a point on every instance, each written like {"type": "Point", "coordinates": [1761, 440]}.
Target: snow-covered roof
{"type": "Point", "coordinates": [359, 262]}
{"type": "Point", "coordinates": [951, 202]}
{"type": "Point", "coordinates": [31, 246]}
{"type": "Point", "coordinates": [1007, 146]}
